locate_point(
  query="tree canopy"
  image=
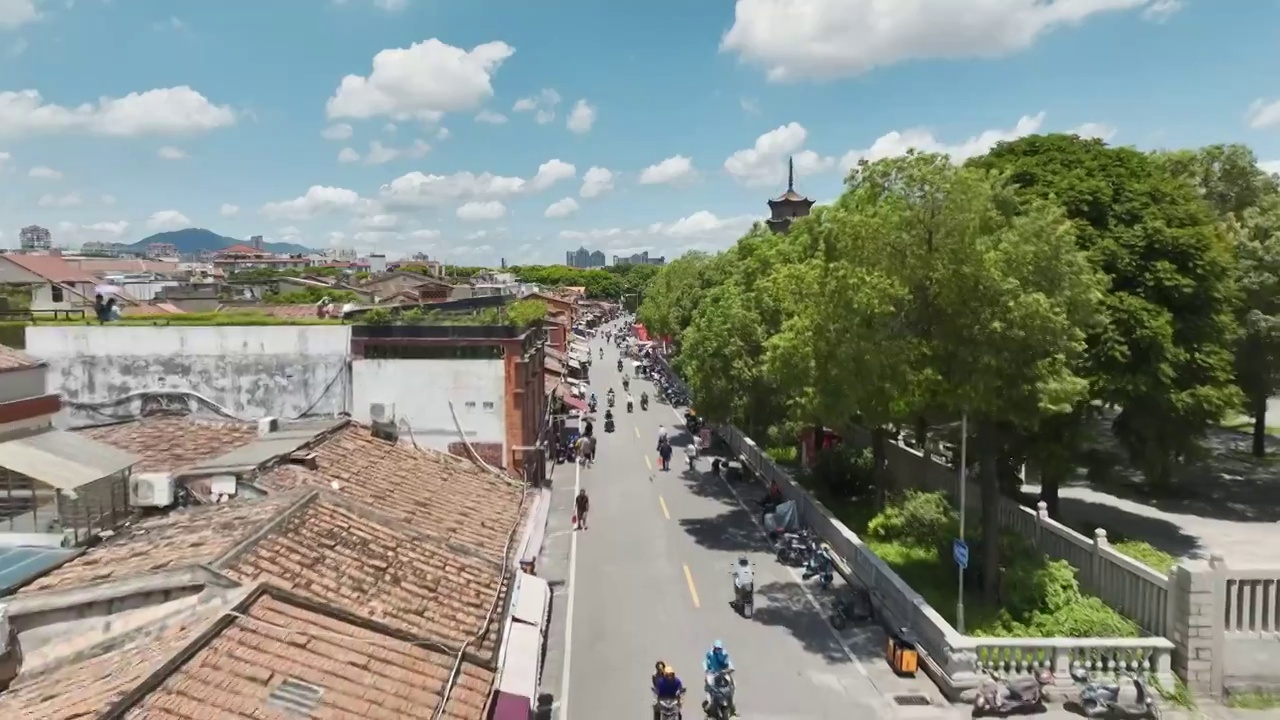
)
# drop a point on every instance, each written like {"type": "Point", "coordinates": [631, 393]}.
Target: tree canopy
{"type": "Point", "coordinates": [1026, 289]}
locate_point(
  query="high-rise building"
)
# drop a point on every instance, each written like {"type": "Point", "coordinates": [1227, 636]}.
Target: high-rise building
{"type": "Point", "coordinates": [584, 258]}
{"type": "Point", "coordinates": [640, 258]}
{"type": "Point", "coordinates": [34, 237]}
{"type": "Point", "coordinates": [789, 205]}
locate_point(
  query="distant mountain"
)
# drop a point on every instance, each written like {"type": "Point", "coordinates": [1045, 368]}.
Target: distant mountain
{"type": "Point", "coordinates": [194, 241]}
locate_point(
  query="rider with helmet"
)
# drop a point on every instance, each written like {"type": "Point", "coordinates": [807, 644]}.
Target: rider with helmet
{"type": "Point", "coordinates": [717, 662]}
{"type": "Point", "coordinates": [666, 686]}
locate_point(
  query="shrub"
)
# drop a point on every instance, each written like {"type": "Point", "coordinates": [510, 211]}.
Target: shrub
{"type": "Point", "coordinates": [1147, 554]}
{"type": "Point", "coordinates": [922, 519]}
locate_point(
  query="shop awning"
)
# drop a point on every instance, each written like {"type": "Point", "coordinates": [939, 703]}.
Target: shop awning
{"type": "Point", "coordinates": [552, 365]}
{"type": "Point", "coordinates": [564, 394]}
{"type": "Point", "coordinates": [575, 364]}
{"type": "Point", "coordinates": [63, 460]}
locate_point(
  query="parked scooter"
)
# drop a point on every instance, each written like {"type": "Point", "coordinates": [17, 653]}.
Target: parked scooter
{"type": "Point", "coordinates": [1128, 697]}
{"type": "Point", "coordinates": [1003, 697]}
{"type": "Point", "coordinates": [667, 709]}
{"type": "Point", "coordinates": [820, 566]}
{"type": "Point", "coordinates": [856, 607]}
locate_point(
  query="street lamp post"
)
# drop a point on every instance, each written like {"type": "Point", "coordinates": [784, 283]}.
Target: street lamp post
{"type": "Point", "coordinates": [964, 448]}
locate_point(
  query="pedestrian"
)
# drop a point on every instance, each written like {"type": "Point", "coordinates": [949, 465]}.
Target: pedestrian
{"type": "Point", "coordinates": [580, 447]}
{"type": "Point", "coordinates": [664, 454]}
{"type": "Point", "coordinates": [581, 505]}
{"type": "Point", "coordinates": [591, 450]}
{"type": "Point", "coordinates": [588, 429]}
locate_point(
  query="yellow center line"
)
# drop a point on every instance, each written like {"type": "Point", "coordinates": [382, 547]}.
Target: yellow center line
{"type": "Point", "coordinates": [693, 591]}
{"type": "Point", "coordinates": [665, 513]}
{"type": "Point", "coordinates": [647, 463]}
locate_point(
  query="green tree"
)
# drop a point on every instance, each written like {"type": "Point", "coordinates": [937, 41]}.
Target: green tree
{"type": "Point", "coordinates": [1244, 197]}
{"type": "Point", "coordinates": [1164, 356]}
{"type": "Point", "coordinates": [675, 292]}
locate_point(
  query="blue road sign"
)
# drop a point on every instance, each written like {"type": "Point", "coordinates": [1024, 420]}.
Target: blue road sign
{"type": "Point", "coordinates": [960, 551]}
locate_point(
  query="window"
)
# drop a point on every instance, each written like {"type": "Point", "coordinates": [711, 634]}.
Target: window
{"type": "Point", "coordinates": [56, 293]}
{"type": "Point", "coordinates": [488, 406]}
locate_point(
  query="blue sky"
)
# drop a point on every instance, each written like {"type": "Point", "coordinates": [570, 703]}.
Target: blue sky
{"type": "Point", "coordinates": [487, 129]}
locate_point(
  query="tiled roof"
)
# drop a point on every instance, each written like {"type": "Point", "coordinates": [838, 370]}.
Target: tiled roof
{"type": "Point", "coordinates": [340, 553]}
{"type": "Point", "coordinates": [14, 359]}
{"type": "Point", "coordinates": [240, 249]}
{"type": "Point", "coordinates": [86, 689]}
{"type": "Point", "coordinates": [446, 495]}
{"type": "Point", "coordinates": [180, 539]}
{"type": "Point", "coordinates": [228, 668]}
{"type": "Point", "coordinates": [169, 442]}
{"type": "Point", "coordinates": [51, 267]}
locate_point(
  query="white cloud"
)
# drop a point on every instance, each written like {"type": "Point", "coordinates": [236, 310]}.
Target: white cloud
{"type": "Point", "coordinates": [43, 173]}
{"type": "Point", "coordinates": [379, 154]}
{"type": "Point", "coordinates": [4, 158]}
{"type": "Point", "coordinates": [167, 220]}
{"type": "Point", "coordinates": [765, 163]}
{"type": "Point", "coordinates": [674, 170]}
{"type": "Point", "coordinates": [348, 155]}
{"type": "Point", "coordinates": [897, 143]}
{"type": "Point", "coordinates": [417, 189]}
{"type": "Point", "coordinates": [380, 221]}
{"type": "Point", "coordinates": [488, 210]}
{"type": "Point", "coordinates": [229, 210]}
{"type": "Point", "coordinates": [422, 81]}
{"type": "Point", "coordinates": [1263, 114]}
{"type": "Point", "coordinates": [169, 152]}
{"type": "Point", "coordinates": [552, 172]}
{"type": "Point", "coordinates": [390, 128]}
{"type": "Point", "coordinates": [108, 199]}
{"type": "Point", "coordinates": [750, 106]}
{"type": "Point", "coordinates": [15, 13]}
{"type": "Point", "coordinates": [169, 111]}
{"type": "Point", "coordinates": [341, 131]}
{"type": "Point", "coordinates": [490, 117]}
{"type": "Point", "coordinates": [442, 133]}
{"type": "Point", "coordinates": [1270, 166]}
{"type": "Point", "coordinates": [596, 181]}
{"type": "Point", "coordinates": [1094, 130]}
{"type": "Point", "coordinates": [814, 39]}
{"type": "Point", "coordinates": [61, 201]}
{"type": "Point", "coordinates": [702, 230]}
{"type": "Point", "coordinates": [318, 200]}
{"type": "Point", "coordinates": [581, 118]}
{"type": "Point", "coordinates": [543, 105]}
{"type": "Point", "coordinates": [562, 208]}
{"type": "Point", "coordinates": [1160, 10]}
{"type": "Point", "coordinates": [425, 234]}
{"type": "Point", "coordinates": [76, 234]}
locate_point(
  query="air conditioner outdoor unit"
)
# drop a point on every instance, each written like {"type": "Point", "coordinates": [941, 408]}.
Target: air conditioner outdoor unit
{"type": "Point", "coordinates": [153, 490]}
{"type": "Point", "coordinates": [268, 425]}
{"type": "Point", "coordinates": [382, 418]}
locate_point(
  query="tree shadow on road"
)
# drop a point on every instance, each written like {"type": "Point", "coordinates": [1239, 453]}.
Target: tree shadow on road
{"type": "Point", "coordinates": [730, 531]}
{"type": "Point", "coordinates": [702, 483]}
{"type": "Point", "coordinates": [785, 605]}
{"type": "Point", "coordinates": [1085, 516]}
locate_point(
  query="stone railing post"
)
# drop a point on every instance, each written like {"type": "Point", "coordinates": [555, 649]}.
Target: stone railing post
{"type": "Point", "coordinates": [1042, 514]}
{"type": "Point", "coordinates": [1218, 616]}
{"type": "Point", "coordinates": [1099, 543]}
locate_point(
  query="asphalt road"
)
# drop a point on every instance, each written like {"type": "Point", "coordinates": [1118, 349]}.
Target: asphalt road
{"type": "Point", "coordinates": [650, 579]}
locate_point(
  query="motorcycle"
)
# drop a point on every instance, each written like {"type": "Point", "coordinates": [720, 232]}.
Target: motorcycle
{"type": "Point", "coordinates": [611, 401]}
{"type": "Point", "coordinates": [608, 425]}
{"type": "Point", "coordinates": [744, 596]}
{"type": "Point", "coordinates": [667, 709]}
{"type": "Point", "coordinates": [821, 567]}
{"type": "Point", "coordinates": [630, 406]}
{"type": "Point", "coordinates": [619, 364]}
{"type": "Point", "coordinates": [591, 406]}
{"type": "Point", "coordinates": [1021, 695]}
{"type": "Point", "coordinates": [644, 402]}
{"type": "Point", "coordinates": [795, 549]}
{"type": "Point", "coordinates": [856, 607]}
{"type": "Point", "coordinates": [1098, 699]}
{"type": "Point", "coordinates": [720, 690]}
{"type": "Point", "coordinates": [626, 384]}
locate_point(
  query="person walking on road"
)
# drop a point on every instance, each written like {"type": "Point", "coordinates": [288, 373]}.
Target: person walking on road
{"type": "Point", "coordinates": [591, 450]}
{"type": "Point", "coordinates": [691, 451]}
{"type": "Point", "coordinates": [581, 505]}
{"type": "Point", "coordinates": [664, 453]}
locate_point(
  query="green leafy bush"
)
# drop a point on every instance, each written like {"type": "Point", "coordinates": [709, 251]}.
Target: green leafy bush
{"type": "Point", "coordinates": [1039, 597]}
{"type": "Point", "coordinates": [1147, 554]}
{"type": "Point", "coordinates": [917, 518]}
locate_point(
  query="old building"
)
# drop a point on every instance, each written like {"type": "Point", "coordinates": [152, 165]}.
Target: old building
{"type": "Point", "coordinates": [789, 205]}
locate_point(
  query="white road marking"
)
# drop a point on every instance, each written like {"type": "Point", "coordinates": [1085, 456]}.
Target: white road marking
{"type": "Point", "coordinates": [568, 613]}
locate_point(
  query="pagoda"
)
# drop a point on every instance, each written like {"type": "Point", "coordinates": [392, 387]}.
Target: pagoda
{"type": "Point", "coordinates": [789, 205]}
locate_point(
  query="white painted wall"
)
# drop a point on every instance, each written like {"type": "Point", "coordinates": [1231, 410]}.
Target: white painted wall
{"type": "Point", "coordinates": [421, 391]}
{"type": "Point", "coordinates": [254, 371]}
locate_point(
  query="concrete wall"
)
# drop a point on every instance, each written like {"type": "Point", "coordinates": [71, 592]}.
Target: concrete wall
{"type": "Point", "coordinates": [421, 391]}
{"type": "Point", "coordinates": [252, 371]}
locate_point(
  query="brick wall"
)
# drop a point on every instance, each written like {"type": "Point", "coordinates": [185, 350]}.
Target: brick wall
{"type": "Point", "coordinates": [490, 452]}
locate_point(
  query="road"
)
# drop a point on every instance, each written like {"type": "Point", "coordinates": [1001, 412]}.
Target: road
{"type": "Point", "coordinates": [650, 579]}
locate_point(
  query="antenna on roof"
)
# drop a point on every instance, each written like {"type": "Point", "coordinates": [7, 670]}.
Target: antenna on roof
{"type": "Point", "coordinates": [791, 174]}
